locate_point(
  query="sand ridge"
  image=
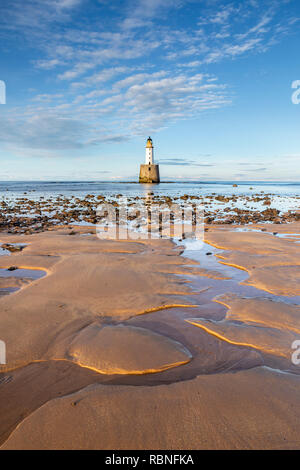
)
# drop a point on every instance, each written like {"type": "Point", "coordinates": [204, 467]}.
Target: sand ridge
{"type": "Point", "coordinates": [266, 326]}
{"type": "Point", "coordinates": [273, 263]}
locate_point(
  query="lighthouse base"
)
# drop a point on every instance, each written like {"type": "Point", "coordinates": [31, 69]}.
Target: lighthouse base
{"type": "Point", "coordinates": [149, 174]}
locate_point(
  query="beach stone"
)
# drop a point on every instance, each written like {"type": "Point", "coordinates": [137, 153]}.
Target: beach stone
{"type": "Point", "coordinates": [12, 248]}
{"type": "Point", "coordinates": [126, 350]}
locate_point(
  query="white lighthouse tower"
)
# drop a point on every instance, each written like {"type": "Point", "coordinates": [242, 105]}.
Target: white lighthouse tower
{"type": "Point", "coordinates": [149, 152]}
{"type": "Point", "coordinates": [149, 172]}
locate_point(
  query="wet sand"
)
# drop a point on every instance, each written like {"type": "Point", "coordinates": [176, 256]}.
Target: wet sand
{"type": "Point", "coordinates": [131, 345]}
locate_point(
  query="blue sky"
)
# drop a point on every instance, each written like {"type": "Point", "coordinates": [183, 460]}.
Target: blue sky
{"type": "Point", "coordinates": [88, 80]}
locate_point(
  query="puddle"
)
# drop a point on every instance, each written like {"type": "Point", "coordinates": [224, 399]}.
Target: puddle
{"type": "Point", "coordinates": [17, 277]}
{"type": "Point", "coordinates": [211, 263]}
{"type": "Point", "coordinates": [218, 287]}
{"type": "Point", "coordinates": [8, 290]}
{"type": "Point", "coordinates": [8, 248]}
{"type": "Point", "coordinates": [289, 236]}
{"type": "Point", "coordinates": [22, 273]}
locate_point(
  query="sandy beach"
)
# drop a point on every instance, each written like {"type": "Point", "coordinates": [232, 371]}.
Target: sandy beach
{"type": "Point", "coordinates": [149, 228]}
{"type": "Point", "coordinates": [135, 345]}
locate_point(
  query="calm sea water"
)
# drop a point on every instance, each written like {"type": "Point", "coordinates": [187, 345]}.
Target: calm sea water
{"type": "Point", "coordinates": [81, 188]}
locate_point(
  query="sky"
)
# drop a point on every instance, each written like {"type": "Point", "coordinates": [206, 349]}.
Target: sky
{"type": "Point", "coordinates": [215, 83]}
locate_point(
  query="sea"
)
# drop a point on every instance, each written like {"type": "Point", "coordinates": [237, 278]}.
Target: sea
{"type": "Point", "coordinates": [81, 188]}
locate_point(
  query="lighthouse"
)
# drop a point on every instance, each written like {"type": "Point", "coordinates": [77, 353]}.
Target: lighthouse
{"type": "Point", "coordinates": [149, 172]}
{"type": "Point", "coordinates": [149, 152]}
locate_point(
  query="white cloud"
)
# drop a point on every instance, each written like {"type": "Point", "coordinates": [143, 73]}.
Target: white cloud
{"type": "Point", "coordinates": [140, 102]}
{"type": "Point", "coordinates": [48, 64]}
{"type": "Point", "coordinates": [141, 12]}
{"type": "Point", "coordinates": [31, 16]}
{"type": "Point", "coordinates": [79, 69]}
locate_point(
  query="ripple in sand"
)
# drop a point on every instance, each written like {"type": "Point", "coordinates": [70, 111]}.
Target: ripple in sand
{"type": "Point", "coordinates": [262, 324]}
{"type": "Point", "coordinates": [126, 350]}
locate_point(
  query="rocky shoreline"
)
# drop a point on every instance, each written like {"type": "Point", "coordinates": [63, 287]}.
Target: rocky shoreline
{"type": "Point", "coordinates": [28, 215]}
